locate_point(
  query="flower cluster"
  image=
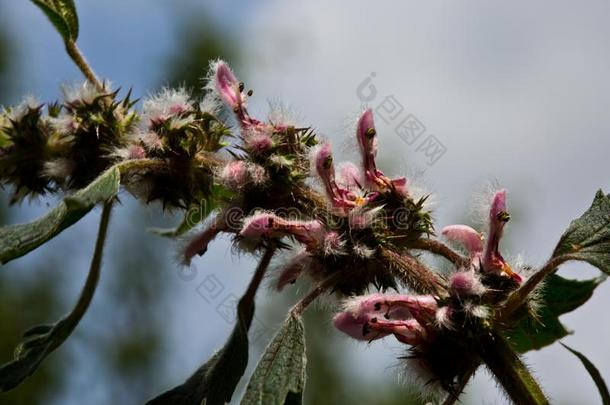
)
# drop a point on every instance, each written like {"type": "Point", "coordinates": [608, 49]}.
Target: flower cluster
{"type": "Point", "coordinates": [67, 148]}
{"type": "Point", "coordinates": [273, 186]}
{"type": "Point", "coordinates": [358, 228]}
{"type": "Point", "coordinates": [345, 230]}
{"type": "Point", "coordinates": [433, 325]}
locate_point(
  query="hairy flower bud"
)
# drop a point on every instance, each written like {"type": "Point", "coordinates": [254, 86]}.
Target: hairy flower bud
{"type": "Point", "coordinates": [167, 104]}
{"type": "Point", "coordinates": [466, 283]}
{"type": "Point", "coordinates": [235, 174]}
{"type": "Point", "coordinates": [258, 139]}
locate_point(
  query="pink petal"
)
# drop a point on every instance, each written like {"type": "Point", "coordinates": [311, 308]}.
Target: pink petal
{"type": "Point", "coordinates": [227, 85]}
{"type": "Point", "coordinates": [293, 270]}
{"type": "Point", "coordinates": [355, 327]}
{"type": "Point", "coordinates": [466, 236]}
{"type": "Point", "coordinates": [199, 244]}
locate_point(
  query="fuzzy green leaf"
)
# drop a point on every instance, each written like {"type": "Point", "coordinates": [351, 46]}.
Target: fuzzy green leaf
{"type": "Point", "coordinates": [588, 237]}
{"type": "Point", "coordinates": [594, 373]}
{"type": "Point", "coordinates": [41, 340]}
{"type": "Point", "coordinates": [279, 377]}
{"type": "Point", "coordinates": [559, 296]}
{"type": "Point", "coordinates": [63, 16]}
{"type": "Point", "coordinates": [17, 240]}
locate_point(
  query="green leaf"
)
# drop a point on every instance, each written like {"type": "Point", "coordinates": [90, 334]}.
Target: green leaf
{"type": "Point", "coordinates": [63, 16]}
{"type": "Point", "coordinates": [559, 296]}
{"type": "Point", "coordinates": [215, 381]}
{"type": "Point", "coordinates": [595, 375]}
{"type": "Point", "coordinates": [39, 341]}
{"type": "Point", "coordinates": [17, 240]}
{"type": "Point", "coordinates": [588, 237]}
{"type": "Point", "coordinates": [279, 377]}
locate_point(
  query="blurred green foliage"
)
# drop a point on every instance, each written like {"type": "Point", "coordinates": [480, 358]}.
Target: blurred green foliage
{"type": "Point", "coordinates": [200, 41]}
{"type": "Point", "coordinates": [6, 66]}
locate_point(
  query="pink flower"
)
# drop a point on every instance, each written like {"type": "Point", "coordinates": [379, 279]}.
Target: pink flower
{"type": "Point", "coordinates": [356, 327]}
{"type": "Point", "coordinates": [227, 85]}
{"type": "Point", "coordinates": [467, 237]}
{"type": "Point", "coordinates": [498, 217]}
{"type": "Point", "coordinates": [257, 135]}
{"type": "Point", "coordinates": [367, 139]}
{"type": "Point", "coordinates": [408, 318]}
{"type": "Point", "coordinates": [488, 258]}
{"type": "Point", "coordinates": [258, 174]}
{"type": "Point", "coordinates": [231, 91]}
{"type": "Point", "coordinates": [269, 225]}
{"type": "Point", "coordinates": [340, 197]}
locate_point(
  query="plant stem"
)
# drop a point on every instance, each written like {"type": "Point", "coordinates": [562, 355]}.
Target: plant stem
{"type": "Point", "coordinates": [140, 164]}
{"type": "Point", "coordinates": [519, 297]}
{"type": "Point", "coordinates": [78, 58]}
{"type": "Point", "coordinates": [324, 285]}
{"type": "Point", "coordinates": [464, 379]}
{"type": "Point", "coordinates": [259, 274]}
{"type": "Point", "coordinates": [510, 371]}
{"type": "Point", "coordinates": [68, 324]}
{"type": "Point", "coordinates": [439, 248]}
{"type": "Point", "coordinates": [413, 273]}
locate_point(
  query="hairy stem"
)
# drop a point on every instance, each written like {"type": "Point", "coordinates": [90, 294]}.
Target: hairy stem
{"type": "Point", "coordinates": [453, 397]}
{"type": "Point", "coordinates": [510, 371]}
{"type": "Point", "coordinates": [139, 164]}
{"type": "Point", "coordinates": [318, 290]}
{"type": "Point", "coordinates": [413, 273]}
{"type": "Point", "coordinates": [519, 297]}
{"type": "Point", "coordinates": [68, 324]}
{"type": "Point", "coordinates": [439, 248]}
{"type": "Point", "coordinates": [259, 274]}
{"type": "Point", "coordinates": [78, 58]}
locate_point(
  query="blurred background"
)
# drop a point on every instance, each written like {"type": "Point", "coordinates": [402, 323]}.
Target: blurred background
{"type": "Point", "coordinates": [512, 93]}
